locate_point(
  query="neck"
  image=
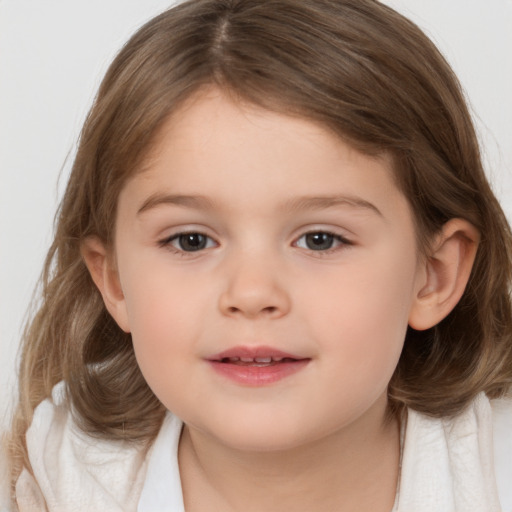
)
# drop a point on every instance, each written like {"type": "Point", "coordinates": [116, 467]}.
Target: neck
{"type": "Point", "coordinates": [355, 468]}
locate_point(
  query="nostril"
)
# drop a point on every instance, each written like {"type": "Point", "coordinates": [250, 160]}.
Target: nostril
{"type": "Point", "coordinates": [267, 302]}
{"type": "Point", "coordinates": [266, 310]}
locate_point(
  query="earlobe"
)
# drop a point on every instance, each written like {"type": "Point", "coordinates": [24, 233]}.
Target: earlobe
{"type": "Point", "coordinates": [106, 278]}
{"type": "Point", "coordinates": [445, 274]}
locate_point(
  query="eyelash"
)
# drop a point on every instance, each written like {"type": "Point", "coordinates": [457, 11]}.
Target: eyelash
{"type": "Point", "coordinates": [341, 242]}
{"type": "Point", "coordinates": [167, 242]}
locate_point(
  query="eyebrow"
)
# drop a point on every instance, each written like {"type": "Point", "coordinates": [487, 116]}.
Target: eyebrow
{"type": "Point", "coordinates": [324, 202]}
{"type": "Point", "coordinates": [293, 205]}
{"type": "Point", "coordinates": [198, 202]}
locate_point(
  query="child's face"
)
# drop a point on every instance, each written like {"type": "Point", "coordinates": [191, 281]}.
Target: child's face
{"type": "Point", "coordinates": [297, 244]}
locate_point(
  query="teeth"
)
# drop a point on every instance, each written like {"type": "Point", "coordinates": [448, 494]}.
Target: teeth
{"type": "Point", "coordinates": [258, 360]}
{"type": "Point", "coordinates": [263, 359]}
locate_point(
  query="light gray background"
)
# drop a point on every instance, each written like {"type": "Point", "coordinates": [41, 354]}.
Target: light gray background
{"type": "Point", "coordinates": [52, 57]}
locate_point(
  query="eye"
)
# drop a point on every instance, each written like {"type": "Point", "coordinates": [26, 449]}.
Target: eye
{"type": "Point", "coordinates": [189, 242]}
{"type": "Point", "coordinates": [320, 241]}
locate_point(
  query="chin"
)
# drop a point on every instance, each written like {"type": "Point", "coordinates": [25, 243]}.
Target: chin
{"type": "Point", "coordinates": [274, 435]}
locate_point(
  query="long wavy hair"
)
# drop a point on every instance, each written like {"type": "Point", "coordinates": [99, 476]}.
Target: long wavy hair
{"type": "Point", "coordinates": [355, 66]}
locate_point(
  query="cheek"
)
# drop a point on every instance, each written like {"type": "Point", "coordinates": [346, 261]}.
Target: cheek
{"type": "Point", "coordinates": [166, 312]}
{"type": "Point", "coordinates": [363, 314]}
{"type": "Point", "coordinates": [163, 344]}
{"type": "Point", "coordinates": [157, 313]}
{"type": "Point", "coordinates": [159, 299]}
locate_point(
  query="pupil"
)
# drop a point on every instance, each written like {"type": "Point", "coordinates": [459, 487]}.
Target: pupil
{"type": "Point", "coordinates": [192, 242]}
{"type": "Point", "coordinates": [319, 241]}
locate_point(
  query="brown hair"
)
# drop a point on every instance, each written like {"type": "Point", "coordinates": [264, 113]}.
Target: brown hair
{"type": "Point", "coordinates": [355, 66]}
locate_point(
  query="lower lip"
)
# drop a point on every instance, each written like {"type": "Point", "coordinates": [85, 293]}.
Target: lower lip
{"type": "Point", "coordinates": [258, 375]}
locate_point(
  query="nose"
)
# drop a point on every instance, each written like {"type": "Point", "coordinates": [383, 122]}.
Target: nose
{"type": "Point", "coordinates": [253, 290]}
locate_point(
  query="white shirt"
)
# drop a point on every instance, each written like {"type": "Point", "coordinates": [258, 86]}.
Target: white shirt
{"type": "Point", "coordinates": [448, 465]}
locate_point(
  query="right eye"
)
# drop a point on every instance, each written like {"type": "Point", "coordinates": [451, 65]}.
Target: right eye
{"type": "Point", "coordinates": [188, 242]}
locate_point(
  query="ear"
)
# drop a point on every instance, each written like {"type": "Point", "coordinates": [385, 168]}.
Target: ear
{"type": "Point", "coordinates": [445, 274]}
{"type": "Point", "coordinates": [106, 278]}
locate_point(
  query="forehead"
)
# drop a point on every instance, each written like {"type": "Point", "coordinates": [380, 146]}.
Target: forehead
{"type": "Point", "coordinates": [214, 120]}
{"type": "Point", "coordinates": [233, 151]}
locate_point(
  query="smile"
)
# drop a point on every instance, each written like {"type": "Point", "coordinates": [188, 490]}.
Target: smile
{"type": "Point", "coordinates": [256, 361]}
{"type": "Point", "coordinates": [256, 366]}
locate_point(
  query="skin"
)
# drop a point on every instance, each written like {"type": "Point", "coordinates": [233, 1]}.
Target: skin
{"type": "Point", "coordinates": [318, 439]}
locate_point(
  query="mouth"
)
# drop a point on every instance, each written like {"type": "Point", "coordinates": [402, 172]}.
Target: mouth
{"type": "Point", "coordinates": [257, 361]}
{"type": "Point", "coordinates": [257, 366]}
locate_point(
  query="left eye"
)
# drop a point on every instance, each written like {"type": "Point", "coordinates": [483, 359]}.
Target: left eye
{"type": "Point", "coordinates": [320, 241]}
{"type": "Point", "coordinates": [190, 242]}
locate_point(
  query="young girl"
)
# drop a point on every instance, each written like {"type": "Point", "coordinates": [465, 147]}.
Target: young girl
{"type": "Point", "coordinates": [279, 280]}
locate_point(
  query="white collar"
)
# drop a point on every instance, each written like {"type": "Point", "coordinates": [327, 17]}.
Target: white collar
{"type": "Point", "coordinates": [447, 464]}
{"type": "Point", "coordinates": [162, 486]}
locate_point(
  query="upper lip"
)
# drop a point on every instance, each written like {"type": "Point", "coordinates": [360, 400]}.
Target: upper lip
{"type": "Point", "coordinates": [254, 352]}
